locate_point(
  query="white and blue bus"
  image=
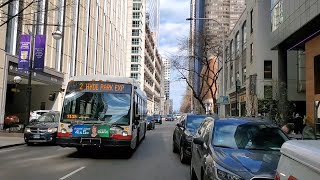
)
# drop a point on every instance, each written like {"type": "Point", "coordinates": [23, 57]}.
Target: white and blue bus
{"type": "Point", "coordinates": [102, 111]}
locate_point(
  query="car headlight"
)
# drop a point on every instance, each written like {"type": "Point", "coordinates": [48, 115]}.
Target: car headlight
{"type": "Point", "coordinates": [51, 130]}
{"type": "Point", "coordinates": [148, 122]}
{"type": "Point", "coordinates": [224, 174]}
{"type": "Point", "coordinates": [27, 130]}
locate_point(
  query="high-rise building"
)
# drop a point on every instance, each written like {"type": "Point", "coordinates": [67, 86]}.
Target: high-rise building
{"type": "Point", "coordinates": [212, 19]}
{"type": "Point", "coordinates": [166, 76]}
{"type": "Point", "coordinates": [143, 59]}
{"type": "Point", "coordinates": [93, 41]}
{"type": "Point", "coordinates": [153, 17]}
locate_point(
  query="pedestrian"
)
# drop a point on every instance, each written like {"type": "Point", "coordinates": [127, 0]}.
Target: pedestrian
{"type": "Point", "coordinates": [308, 132]}
{"type": "Point", "coordinates": [288, 128]}
{"type": "Point", "coordinates": [298, 124]}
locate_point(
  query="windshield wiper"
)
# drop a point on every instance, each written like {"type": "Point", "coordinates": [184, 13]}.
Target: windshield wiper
{"type": "Point", "coordinates": [223, 146]}
{"type": "Point", "coordinates": [261, 149]}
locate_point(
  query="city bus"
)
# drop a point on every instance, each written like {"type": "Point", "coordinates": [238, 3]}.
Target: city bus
{"type": "Point", "coordinates": [102, 111]}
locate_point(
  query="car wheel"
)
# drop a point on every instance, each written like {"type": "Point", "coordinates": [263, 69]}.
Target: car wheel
{"type": "Point", "coordinates": [174, 148]}
{"type": "Point", "coordinates": [183, 157]}
{"type": "Point", "coordinates": [154, 126]}
{"type": "Point", "coordinates": [193, 175]}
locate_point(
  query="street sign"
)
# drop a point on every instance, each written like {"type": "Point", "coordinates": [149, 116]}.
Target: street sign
{"type": "Point", "coordinates": [223, 100]}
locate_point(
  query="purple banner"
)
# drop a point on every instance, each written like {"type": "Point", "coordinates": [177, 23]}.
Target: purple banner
{"type": "Point", "coordinates": [24, 54]}
{"type": "Point", "coordinates": [39, 51]}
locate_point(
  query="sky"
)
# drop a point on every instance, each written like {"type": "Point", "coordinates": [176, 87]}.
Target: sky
{"type": "Point", "coordinates": [173, 26]}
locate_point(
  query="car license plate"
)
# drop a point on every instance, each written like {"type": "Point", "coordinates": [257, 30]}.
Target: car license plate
{"type": "Point", "coordinates": [36, 136]}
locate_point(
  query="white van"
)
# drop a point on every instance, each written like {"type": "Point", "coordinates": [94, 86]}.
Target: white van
{"type": "Point", "coordinates": [300, 160]}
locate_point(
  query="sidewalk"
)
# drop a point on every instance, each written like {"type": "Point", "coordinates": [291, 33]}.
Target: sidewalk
{"type": "Point", "coordinates": [11, 139]}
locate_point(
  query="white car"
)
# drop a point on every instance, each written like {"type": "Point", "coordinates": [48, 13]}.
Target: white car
{"type": "Point", "coordinates": [300, 159]}
{"type": "Point", "coordinates": [36, 114]}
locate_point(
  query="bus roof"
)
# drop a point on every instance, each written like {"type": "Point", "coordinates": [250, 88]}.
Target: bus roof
{"type": "Point", "coordinates": [118, 79]}
{"type": "Point", "coordinates": [304, 151]}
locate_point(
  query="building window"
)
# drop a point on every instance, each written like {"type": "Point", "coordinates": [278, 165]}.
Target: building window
{"type": "Point", "coordinates": [237, 44]}
{"type": "Point", "coordinates": [244, 74]}
{"type": "Point", "coordinates": [134, 75]}
{"type": "Point", "coordinates": [134, 67]}
{"type": "Point", "coordinates": [136, 15]}
{"type": "Point", "coordinates": [267, 69]}
{"type": "Point", "coordinates": [136, 24]}
{"type": "Point", "coordinates": [244, 36]}
{"type": "Point", "coordinates": [135, 50]}
{"type": "Point", "coordinates": [251, 52]}
{"type": "Point", "coordinates": [231, 76]}
{"type": "Point", "coordinates": [135, 58]}
{"type": "Point", "coordinates": [231, 50]}
{"type": "Point", "coordinates": [277, 15]}
{"type": "Point", "coordinates": [251, 20]}
{"type": "Point", "coordinates": [137, 6]}
{"type": "Point", "coordinates": [317, 74]}
{"type": "Point", "coordinates": [135, 41]}
{"type": "Point", "coordinates": [135, 32]}
{"type": "Point", "coordinates": [268, 92]}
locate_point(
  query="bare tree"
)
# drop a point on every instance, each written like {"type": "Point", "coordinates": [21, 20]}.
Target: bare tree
{"type": "Point", "coordinates": [26, 9]}
{"type": "Point", "coordinates": [200, 69]}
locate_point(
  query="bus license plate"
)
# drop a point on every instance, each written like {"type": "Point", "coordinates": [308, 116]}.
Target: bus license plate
{"type": "Point", "coordinates": [36, 136]}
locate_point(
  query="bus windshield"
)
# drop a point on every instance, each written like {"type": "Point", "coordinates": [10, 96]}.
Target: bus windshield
{"type": "Point", "coordinates": [97, 106]}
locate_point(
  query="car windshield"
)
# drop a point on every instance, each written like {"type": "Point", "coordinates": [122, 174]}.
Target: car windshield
{"type": "Point", "coordinates": [248, 136]}
{"type": "Point", "coordinates": [111, 108]}
{"type": "Point", "coordinates": [48, 117]}
{"type": "Point", "coordinates": [149, 118]}
{"type": "Point", "coordinates": [193, 122]}
{"type": "Point", "coordinates": [156, 116]}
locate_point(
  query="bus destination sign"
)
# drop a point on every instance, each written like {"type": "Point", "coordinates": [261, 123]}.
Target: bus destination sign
{"type": "Point", "coordinates": [99, 86]}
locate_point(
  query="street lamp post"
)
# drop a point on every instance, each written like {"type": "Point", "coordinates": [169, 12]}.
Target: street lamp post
{"type": "Point", "coordinates": [223, 56]}
{"type": "Point", "coordinates": [56, 35]}
{"type": "Point", "coordinates": [238, 84]}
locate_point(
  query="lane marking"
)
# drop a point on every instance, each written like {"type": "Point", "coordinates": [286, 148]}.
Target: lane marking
{"type": "Point", "coordinates": [8, 150]}
{"type": "Point", "coordinates": [72, 173]}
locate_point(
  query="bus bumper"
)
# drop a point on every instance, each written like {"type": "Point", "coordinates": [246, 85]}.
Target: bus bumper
{"type": "Point", "coordinates": [100, 142]}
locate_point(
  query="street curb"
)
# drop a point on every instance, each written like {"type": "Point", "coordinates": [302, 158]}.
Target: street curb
{"type": "Point", "coordinates": [12, 145]}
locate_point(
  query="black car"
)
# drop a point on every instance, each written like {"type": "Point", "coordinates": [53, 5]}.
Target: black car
{"type": "Point", "coordinates": [183, 135]}
{"type": "Point", "coordinates": [42, 130]}
{"type": "Point", "coordinates": [236, 148]}
{"type": "Point", "coordinates": [169, 117]}
{"type": "Point", "coordinates": [150, 123]}
{"type": "Point", "coordinates": [157, 118]}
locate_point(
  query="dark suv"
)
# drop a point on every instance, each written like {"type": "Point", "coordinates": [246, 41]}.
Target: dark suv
{"type": "Point", "coordinates": [42, 130]}
{"type": "Point", "coordinates": [183, 135]}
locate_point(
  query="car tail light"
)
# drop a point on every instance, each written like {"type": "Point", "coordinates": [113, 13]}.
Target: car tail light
{"type": "Point", "coordinates": [292, 178]}
{"type": "Point", "coordinates": [277, 177]}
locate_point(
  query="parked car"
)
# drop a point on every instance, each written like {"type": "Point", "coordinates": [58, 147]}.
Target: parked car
{"type": "Point", "coordinates": [150, 123]}
{"type": "Point", "coordinates": [183, 135]}
{"type": "Point", "coordinates": [42, 130]}
{"type": "Point", "coordinates": [36, 114]}
{"type": "Point", "coordinates": [169, 117]}
{"type": "Point", "coordinates": [11, 120]}
{"type": "Point", "coordinates": [157, 118]}
{"type": "Point", "coordinates": [236, 148]}
{"type": "Point", "coordinates": [300, 159]}
{"type": "Point", "coordinates": [177, 116]}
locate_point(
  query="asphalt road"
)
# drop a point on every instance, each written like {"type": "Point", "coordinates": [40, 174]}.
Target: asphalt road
{"type": "Point", "coordinates": [153, 160]}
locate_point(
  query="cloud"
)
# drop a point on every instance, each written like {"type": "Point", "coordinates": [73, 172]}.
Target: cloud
{"type": "Point", "coordinates": [173, 29]}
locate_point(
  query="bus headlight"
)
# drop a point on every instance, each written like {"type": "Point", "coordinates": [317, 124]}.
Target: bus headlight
{"type": "Point", "coordinates": [124, 133]}
{"type": "Point", "coordinates": [63, 131]}
{"type": "Point", "coordinates": [52, 130]}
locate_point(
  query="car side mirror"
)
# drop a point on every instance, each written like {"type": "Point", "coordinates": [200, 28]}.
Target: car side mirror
{"type": "Point", "coordinates": [180, 125]}
{"type": "Point", "coordinates": [198, 140]}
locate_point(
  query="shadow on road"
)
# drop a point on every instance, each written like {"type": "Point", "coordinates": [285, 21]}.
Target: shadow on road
{"type": "Point", "coordinates": [100, 155]}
